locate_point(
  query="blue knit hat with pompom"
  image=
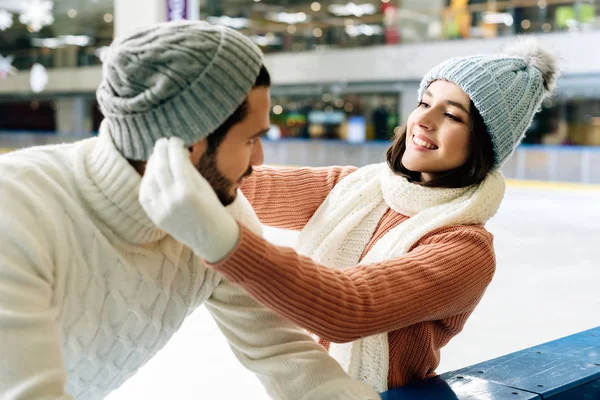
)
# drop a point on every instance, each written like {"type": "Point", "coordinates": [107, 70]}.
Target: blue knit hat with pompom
{"type": "Point", "coordinates": [507, 89]}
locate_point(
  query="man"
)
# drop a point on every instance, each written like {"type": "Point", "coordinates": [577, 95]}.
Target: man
{"type": "Point", "coordinates": [90, 288]}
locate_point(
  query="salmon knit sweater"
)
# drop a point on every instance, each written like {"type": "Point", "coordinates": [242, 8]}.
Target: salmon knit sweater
{"type": "Point", "coordinates": [422, 299]}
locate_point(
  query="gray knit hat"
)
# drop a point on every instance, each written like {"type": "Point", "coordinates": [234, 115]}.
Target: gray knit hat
{"type": "Point", "coordinates": [182, 78]}
{"type": "Point", "coordinates": [507, 89]}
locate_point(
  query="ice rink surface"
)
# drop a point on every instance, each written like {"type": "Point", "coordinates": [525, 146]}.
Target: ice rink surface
{"type": "Point", "coordinates": [547, 285]}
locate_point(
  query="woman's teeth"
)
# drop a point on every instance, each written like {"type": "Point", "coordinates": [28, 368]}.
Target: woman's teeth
{"type": "Point", "coordinates": [423, 143]}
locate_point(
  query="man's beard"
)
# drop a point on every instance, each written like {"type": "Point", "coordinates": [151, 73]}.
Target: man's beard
{"type": "Point", "coordinates": [207, 166]}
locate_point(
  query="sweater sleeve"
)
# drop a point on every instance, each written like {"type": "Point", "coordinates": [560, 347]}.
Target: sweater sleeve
{"type": "Point", "coordinates": [30, 344]}
{"type": "Point", "coordinates": [288, 362]}
{"type": "Point", "coordinates": [445, 274]}
{"type": "Point", "coordinates": [288, 197]}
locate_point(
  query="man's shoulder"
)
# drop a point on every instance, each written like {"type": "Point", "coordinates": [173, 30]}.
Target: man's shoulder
{"type": "Point", "coordinates": [40, 162]}
{"type": "Point", "coordinates": [35, 176]}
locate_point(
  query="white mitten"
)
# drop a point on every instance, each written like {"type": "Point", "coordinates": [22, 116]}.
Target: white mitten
{"type": "Point", "coordinates": [182, 203]}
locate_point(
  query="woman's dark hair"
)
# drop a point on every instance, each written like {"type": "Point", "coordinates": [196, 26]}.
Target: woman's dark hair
{"type": "Point", "coordinates": [474, 170]}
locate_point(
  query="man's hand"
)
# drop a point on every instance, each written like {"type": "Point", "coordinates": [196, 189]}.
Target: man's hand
{"type": "Point", "coordinates": [180, 201]}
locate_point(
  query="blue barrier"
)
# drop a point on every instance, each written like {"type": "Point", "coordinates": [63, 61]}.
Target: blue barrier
{"type": "Point", "coordinates": [564, 369]}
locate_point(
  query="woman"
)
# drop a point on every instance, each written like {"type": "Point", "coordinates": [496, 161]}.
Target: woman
{"type": "Point", "coordinates": [393, 257]}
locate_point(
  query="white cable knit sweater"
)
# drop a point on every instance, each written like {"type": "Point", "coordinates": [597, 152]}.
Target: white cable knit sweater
{"type": "Point", "coordinates": [90, 290]}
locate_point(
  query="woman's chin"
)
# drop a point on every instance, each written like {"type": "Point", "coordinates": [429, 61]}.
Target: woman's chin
{"type": "Point", "coordinates": [413, 166]}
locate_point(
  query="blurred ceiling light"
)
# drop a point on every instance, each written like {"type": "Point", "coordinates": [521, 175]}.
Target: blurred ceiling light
{"type": "Point", "coordinates": [291, 29]}
{"type": "Point", "coordinates": [6, 20]}
{"type": "Point", "coordinates": [36, 14]}
{"type": "Point", "coordinates": [525, 24]}
{"type": "Point", "coordinates": [61, 41]}
{"type": "Point", "coordinates": [266, 41]}
{"type": "Point", "coordinates": [108, 18]}
{"type": "Point", "coordinates": [348, 107]}
{"type": "Point", "coordinates": [38, 78]}
{"type": "Point", "coordinates": [235, 23]}
{"type": "Point", "coordinates": [363, 29]}
{"type": "Point", "coordinates": [315, 6]}
{"type": "Point", "coordinates": [385, 1]}
{"type": "Point", "coordinates": [546, 27]}
{"type": "Point", "coordinates": [542, 4]}
{"type": "Point", "coordinates": [288, 18]}
{"type": "Point", "coordinates": [72, 13]}
{"type": "Point", "coordinates": [277, 110]}
{"type": "Point", "coordinates": [317, 32]}
{"type": "Point", "coordinates": [6, 67]}
{"type": "Point", "coordinates": [343, 10]}
{"type": "Point", "coordinates": [498, 18]}
{"type": "Point", "coordinates": [51, 43]}
{"type": "Point", "coordinates": [79, 40]}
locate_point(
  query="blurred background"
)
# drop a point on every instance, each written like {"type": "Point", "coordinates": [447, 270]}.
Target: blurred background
{"type": "Point", "coordinates": [345, 73]}
{"type": "Point", "coordinates": [345, 76]}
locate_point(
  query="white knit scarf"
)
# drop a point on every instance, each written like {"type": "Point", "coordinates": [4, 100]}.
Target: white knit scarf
{"type": "Point", "coordinates": [339, 231]}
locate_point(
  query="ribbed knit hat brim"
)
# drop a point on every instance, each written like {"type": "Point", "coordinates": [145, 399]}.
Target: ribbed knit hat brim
{"type": "Point", "coordinates": [174, 79]}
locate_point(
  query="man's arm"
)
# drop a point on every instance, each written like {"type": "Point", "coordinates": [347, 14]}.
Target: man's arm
{"type": "Point", "coordinates": [288, 197]}
{"type": "Point", "coordinates": [288, 362]}
{"type": "Point", "coordinates": [31, 361]}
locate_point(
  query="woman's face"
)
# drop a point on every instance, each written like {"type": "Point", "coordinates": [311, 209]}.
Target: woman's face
{"type": "Point", "coordinates": [438, 131]}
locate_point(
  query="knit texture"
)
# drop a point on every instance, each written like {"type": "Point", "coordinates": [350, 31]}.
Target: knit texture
{"type": "Point", "coordinates": [421, 299]}
{"type": "Point", "coordinates": [181, 78]}
{"type": "Point", "coordinates": [90, 289]}
{"type": "Point", "coordinates": [507, 89]}
{"type": "Point", "coordinates": [339, 231]}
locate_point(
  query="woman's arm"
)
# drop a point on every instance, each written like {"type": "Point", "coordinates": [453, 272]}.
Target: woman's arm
{"type": "Point", "coordinates": [288, 197]}
{"type": "Point", "coordinates": [445, 274]}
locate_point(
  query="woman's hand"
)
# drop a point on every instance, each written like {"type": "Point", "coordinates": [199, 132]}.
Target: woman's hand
{"type": "Point", "coordinates": [180, 201]}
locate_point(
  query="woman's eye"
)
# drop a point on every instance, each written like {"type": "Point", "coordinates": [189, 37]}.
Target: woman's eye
{"type": "Point", "coordinates": [452, 117]}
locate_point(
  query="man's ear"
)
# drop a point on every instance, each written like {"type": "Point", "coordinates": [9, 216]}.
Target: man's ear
{"type": "Point", "coordinates": [197, 150]}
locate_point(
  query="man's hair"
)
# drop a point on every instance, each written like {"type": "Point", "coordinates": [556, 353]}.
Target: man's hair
{"type": "Point", "coordinates": [214, 139]}
{"type": "Point", "coordinates": [474, 170]}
